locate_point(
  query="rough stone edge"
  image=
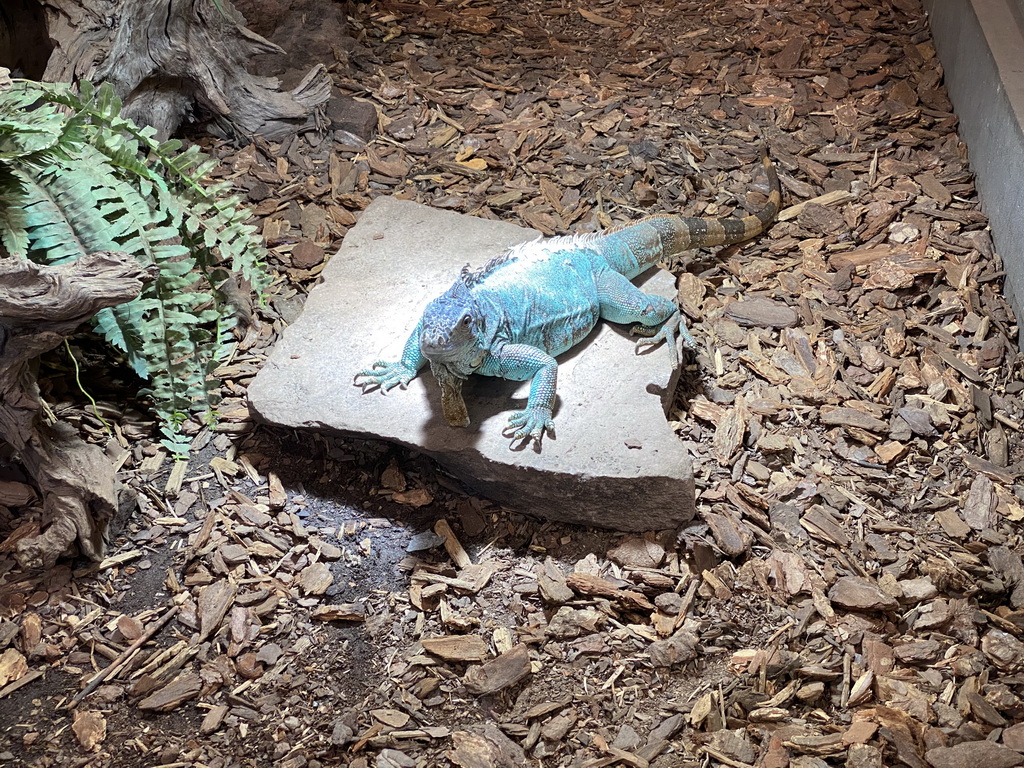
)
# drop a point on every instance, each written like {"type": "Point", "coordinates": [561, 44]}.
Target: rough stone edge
{"type": "Point", "coordinates": [471, 473]}
{"type": "Point", "coordinates": [663, 492]}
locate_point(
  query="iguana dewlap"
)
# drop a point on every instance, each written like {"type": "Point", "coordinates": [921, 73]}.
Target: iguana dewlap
{"type": "Point", "coordinates": [512, 317]}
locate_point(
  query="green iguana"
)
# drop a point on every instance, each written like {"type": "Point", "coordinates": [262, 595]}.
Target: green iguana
{"type": "Point", "coordinates": [514, 315]}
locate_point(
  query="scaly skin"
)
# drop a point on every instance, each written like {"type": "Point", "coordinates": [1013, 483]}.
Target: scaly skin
{"type": "Point", "coordinates": [515, 315]}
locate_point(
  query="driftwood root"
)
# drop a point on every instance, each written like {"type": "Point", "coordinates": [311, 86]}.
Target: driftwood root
{"type": "Point", "coordinates": [39, 307]}
{"type": "Point", "coordinates": [165, 58]}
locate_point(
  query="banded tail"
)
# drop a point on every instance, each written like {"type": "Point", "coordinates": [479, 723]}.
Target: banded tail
{"type": "Point", "coordinates": [654, 238]}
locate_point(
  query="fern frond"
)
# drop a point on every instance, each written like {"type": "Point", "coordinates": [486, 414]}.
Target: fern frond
{"type": "Point", "coordinates": [61, 214]}
{"type": "Point", "coordinates": [84, 179]}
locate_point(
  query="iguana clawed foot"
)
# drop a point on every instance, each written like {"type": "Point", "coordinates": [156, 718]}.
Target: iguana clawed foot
{"type": "Point", "coordinates": [386, 375]}
{"type": "Point", "coordinates": [530, 423]}
{"type": "Point", "coordinates": [667, 333]}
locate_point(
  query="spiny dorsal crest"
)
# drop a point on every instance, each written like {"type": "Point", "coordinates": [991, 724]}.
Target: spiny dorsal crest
{"type": "Point", "coordinates": [471, 277]}
{"type": "Point", "coordinates": [459, 290]}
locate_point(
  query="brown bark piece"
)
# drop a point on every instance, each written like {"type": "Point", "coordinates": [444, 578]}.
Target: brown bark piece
{"type": "Point", "coordinates": [730, 431]}
{"type": "Point", "coordinates": [760, 312]}
{"type": "Point", "coordinates": [789, 57]}
{"type": "Point", "coordinates": [13, 666]}
{"type": "Point", "coordinates": [213, 719]}
{"type": "Point", "coordinates": [595, 586]}
{"type": "Point", "coordinates": [638, 552]}
{"type": "Point", "coordinates": [456, 647]}
{"type": "Point", "coordinates": [1013, 737]}
{"type": "Point", "coordinates": [979, 510]}
{"type": "Point", "coordinates": [851, 417]}
{"type": "Point", "coordinates": [277, 496]}
{"type": "Point", "coordinates": [974, 753]}
{"type": "Point", "coordinates": [306, 255]}
{"type": "Point", "coordinates": [451, 544]}
{"type": "Point", "coordinates": [679, 648]}
{"type": "Point", "coordinates": [500, 672]}
{"type": "Point", "coordinates": [552, 585]}
{"type": "Point", "coordinates": [342, 612]}
{"type": "Point", "coordinates": [14, 494]}
{"type": "Point", "coordinates": [935, 189]}
{"type": "Point", "coordinates": [952, 524]}
{"type": "Point", "coordinates": [732, 535]}
{"type": "Point", "coordinates": [174, 694]}
{"type": "Point", "coordinates": [485, 747]}
{"type": "Point", "coordinates": [820, 522]}
{"type": "Point", "coordinates": [820, 219]}
{"type": "Point", "coordinates": [315, 579]}
{"type": "Point", "coordinates": [860, 595]}
{"type": "Point", "coordinates": [214, 601]}
{"type": "Point", "coordinates": [860, 732]}
{"type": "Point", "coordinates": [90, 729]}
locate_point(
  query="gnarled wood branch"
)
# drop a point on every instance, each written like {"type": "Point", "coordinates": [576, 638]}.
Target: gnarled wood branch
{"type": "Point", "coordinates": [166, 57]}
{"type": "Point", "coordinates": [39, 307]}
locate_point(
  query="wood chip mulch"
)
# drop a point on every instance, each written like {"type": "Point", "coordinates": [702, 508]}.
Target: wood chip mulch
{"type": "Point", "coordinates": [852, 591]}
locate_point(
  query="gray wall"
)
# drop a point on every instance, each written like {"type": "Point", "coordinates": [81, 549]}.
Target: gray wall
{"type": "Point", "coordinates": [981, 46]}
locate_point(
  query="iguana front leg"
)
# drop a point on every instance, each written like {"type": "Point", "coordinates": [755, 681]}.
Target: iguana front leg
{"type": "Point", "coordinates": [388, 375]}
{"type": "Point", "coordinates": [519, 362]}
{"type": "Point", "coordinates": [623, 302]}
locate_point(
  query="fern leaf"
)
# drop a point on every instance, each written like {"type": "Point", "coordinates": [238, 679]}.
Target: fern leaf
{"type": "Point", "coordinates": [85, 179]}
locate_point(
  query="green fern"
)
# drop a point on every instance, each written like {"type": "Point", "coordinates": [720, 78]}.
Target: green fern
{"type": "Point", "coordinates": [75, 178]}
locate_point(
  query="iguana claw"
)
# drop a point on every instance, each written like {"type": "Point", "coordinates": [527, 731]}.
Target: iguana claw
{"type": "Point", "coordinates": [384, 375]}
{"type": "Point", "coordinates": [531, 423]}
{"type": "Point", "coordinates": [667, 333]}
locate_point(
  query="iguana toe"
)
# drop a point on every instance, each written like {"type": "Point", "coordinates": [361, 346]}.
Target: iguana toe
{"type": "Point", "coordinates": [385, 376]}
{"type": "Point", "coordinates": [667, 333]}
{"type": "Point", "coordinates": [531, 423]}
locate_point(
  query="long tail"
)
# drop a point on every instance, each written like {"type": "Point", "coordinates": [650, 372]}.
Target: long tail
{"type": "Point", "coordinates": [707, 233]}
{"type": "Point", "coordinates": [637, 246]}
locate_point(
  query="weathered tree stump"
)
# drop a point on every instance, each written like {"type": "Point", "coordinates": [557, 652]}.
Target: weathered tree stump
{"type": "Point", "coordinates": [166, 58]}
{"type": "Point", "coordinates": [39, 307]}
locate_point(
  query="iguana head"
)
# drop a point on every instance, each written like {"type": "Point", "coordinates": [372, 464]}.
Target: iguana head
{"type": "Point", "coordinates": [452, 341]}
{"type": "Point", "coordinates": [453, 326]}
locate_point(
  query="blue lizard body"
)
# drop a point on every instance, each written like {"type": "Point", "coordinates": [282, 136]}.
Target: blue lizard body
{"type": "Point", "coordinates": [516, 314]}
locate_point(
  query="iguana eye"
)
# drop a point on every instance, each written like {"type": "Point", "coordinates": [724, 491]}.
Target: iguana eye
{"type": "Point", "coordinates": [466, 320]}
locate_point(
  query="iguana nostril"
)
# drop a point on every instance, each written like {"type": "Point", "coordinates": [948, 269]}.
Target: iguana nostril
{"type": "Point", "coordinates": [433, 341]}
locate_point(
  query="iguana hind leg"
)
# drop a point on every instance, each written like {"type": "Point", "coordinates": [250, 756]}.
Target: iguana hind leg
{"type": "Point", "coordinates": [623, 302]}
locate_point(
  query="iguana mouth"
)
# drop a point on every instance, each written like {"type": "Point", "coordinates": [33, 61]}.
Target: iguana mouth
{"type": "Point", "coordinates": [457, 359]}
{"type": "Point", "coordinates": [442, 352]}
{"type": "Point", "coordinates": [435, 343]}
{"type": "Point", "coordinates": [447, 349]}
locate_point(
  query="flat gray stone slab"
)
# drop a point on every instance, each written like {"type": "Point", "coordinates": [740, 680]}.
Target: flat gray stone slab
{"type": "Point", "coordinates": [615, 463]}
